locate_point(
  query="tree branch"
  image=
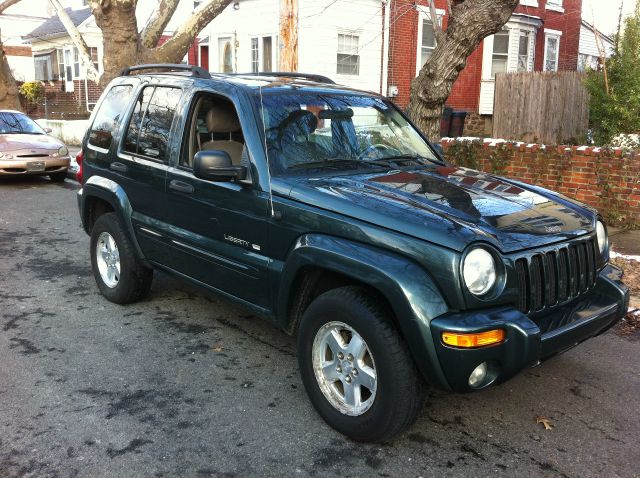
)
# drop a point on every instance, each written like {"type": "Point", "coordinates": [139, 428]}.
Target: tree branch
{"type": "Point", "coordinates": [7, 3]}
{"type": "Point", "coordinates": [184, 36]}
{"type": "Point", "coordinates": [78, 41]}
{"type": "Point", "coordinates": [437, 28]}
{"type": "Point", "coordinates": [158, 22]}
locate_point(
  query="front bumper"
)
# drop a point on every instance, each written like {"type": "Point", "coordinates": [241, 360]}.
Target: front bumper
{"type": "Point", "coordinates": [528, 341]}
{"type": "Point", "coordinates": [17, 167]}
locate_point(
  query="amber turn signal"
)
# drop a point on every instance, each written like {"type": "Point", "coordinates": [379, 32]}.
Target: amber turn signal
{"type": "Point", "coordinates": [469, 341]}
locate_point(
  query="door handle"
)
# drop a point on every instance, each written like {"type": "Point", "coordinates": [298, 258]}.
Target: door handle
{"type": "Point", "coordinates": [181, 186]}
{"type": "Point", "coordinates": [121, 168]}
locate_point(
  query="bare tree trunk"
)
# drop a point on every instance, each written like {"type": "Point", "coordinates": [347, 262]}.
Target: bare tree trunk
{"type": "Point", "coordinates": [470, 21]}
{"type": "Point", "coordinates": [9, 98]}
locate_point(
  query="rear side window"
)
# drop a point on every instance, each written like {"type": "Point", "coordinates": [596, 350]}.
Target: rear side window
{"type": "Point", "coordinates": [109, 115]}
{"type": "Point", "coordinates": [150, 124]}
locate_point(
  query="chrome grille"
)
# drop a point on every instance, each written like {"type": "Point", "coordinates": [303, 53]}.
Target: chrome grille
{"type": "Point", "coordinates": [552, 277]}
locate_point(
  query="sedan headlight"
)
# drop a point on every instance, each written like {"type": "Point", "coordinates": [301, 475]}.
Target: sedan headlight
{"type": "Point", "coordinates": [63, 151]}
{"type": "Point", "coordinates": [479, 271]}
{"type": "Point", "coordinates": [603, 240]}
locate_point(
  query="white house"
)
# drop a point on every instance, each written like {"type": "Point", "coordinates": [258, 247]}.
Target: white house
{"type": "Point", "coordinates": [341, 40]}
{"type": "Point", "coordinates": [588, 52]}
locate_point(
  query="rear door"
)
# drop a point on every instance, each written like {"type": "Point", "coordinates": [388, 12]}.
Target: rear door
{"type": "Point", "coordinates": [142, 161]}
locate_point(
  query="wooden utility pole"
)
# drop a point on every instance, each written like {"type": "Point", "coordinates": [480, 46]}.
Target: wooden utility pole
{"type": "Point", "coordinates": [288, 35]}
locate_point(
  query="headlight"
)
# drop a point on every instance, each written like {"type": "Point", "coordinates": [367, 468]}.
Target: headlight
{"type": "Point", "coordinates": [479, 271]}
{"type": "Point", "coordinates": [603, 241]}
{"type": "Point", "coordinates": [63, 151]}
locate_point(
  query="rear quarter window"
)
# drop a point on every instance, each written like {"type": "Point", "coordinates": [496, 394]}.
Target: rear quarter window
{"type": "Point", "coordinates": [108, 117]}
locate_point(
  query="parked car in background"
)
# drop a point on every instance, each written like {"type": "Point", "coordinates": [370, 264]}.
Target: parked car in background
{"type": "Point", "coordinates": [27, 148]}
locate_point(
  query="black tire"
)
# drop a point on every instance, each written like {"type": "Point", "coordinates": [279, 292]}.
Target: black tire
{"type": "Point", "coordinates": [58, 177]}
{"type": "Point", "coordinates": [398, 397]}
{"type": "Point", "coordinates": [135, 279]}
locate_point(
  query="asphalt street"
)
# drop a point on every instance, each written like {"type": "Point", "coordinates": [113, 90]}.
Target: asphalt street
{"type": "Point", "coordinates": [185, 384]}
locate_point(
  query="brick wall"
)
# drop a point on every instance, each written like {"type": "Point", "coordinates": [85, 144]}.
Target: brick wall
{"type": "Point", "coordinates": [63, 104]}
{"type": "Point", "coordinates": [607, 179]}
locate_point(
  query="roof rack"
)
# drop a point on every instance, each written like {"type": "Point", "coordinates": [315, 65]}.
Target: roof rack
{"type": "Point", "coordinates": [195, 70]}
{"type": "Point", "coordinates": [286, 74]}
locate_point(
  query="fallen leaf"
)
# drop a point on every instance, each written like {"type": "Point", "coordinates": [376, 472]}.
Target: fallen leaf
{"type": "Point", "coordinates": [546, 422]}
{"type": "Point", "coordinates": [218, 349]}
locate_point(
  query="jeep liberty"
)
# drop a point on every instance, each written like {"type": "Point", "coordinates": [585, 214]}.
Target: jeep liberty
{"type": "Point", "coordinates": [325, 210]}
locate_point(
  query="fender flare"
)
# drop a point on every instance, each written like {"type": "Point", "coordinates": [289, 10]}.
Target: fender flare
{"type": "Point", "coordinates": [111, 192]}
{"type": "Point", "coordinates": [408, 288]}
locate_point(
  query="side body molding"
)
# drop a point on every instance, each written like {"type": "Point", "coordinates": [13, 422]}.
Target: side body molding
{"type": "Point", "coordinates": [408, 288]}
{"type": "Point", "coordinates": [111, 192]}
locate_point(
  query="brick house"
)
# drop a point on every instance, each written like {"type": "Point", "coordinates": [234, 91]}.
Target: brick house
{"type": "Point", "coordinates": [541, 35]}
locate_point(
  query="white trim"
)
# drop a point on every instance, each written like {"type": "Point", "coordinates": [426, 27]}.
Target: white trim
{"type": "Point", "coordinates": [556, 33]}
{"type": "Point", "coordinates": [385, 48]}
{"type": "Point", "coordinates": [529, 3]}
{"type": "Point", "coordinates": [554, 7]}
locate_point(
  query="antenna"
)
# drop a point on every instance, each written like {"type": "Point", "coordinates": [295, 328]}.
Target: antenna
{"type": "Point", "coordinates": [266, 152]}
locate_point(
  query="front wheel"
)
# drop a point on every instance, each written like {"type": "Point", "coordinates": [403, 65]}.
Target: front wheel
{"type": "Point", "coordinates": [355, 366]}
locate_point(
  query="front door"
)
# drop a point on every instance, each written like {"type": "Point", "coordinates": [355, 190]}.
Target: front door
{"type": "Point", "coordinates": [218, 229]}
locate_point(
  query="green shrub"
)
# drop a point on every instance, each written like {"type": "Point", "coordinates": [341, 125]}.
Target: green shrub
{"type": "Point", "coordinates": [618, 111]}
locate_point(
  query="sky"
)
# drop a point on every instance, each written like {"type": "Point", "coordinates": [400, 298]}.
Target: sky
{"type": "Point", "coordinates": [606, 13]}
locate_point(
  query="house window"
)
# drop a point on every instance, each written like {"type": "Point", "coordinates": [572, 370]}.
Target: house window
{"type": "Point", "coordinates": [76, 63]}
{"type": "Point", "coordinates": [499, 60]}
{"type": "Point", "coordinates": [551, 49]}
{"type": "Point", "coordinates": [225, 55]}
{"type": "Point", "coordinates": [60, 56]}
{"type": "Point", "coordinates": [554, 5]}
{"type": "Point", "coordinates": [348, 55]}
{"type": "Point", "coordinates": [43, 65]}
{"type": "Point", "coordinates": [524, 51]}
{"type": "Point", "coordinates": [267, 52]}
{"type": "Point", "coordinates": [255, 55]}
{"type": "Point", "coordinates": [93, 51]}
{"type": "Point", "coordinates": [428, 41]}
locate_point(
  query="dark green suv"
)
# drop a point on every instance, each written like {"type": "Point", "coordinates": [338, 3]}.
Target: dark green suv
{"type": "Point", "coordinates": [325, 210]}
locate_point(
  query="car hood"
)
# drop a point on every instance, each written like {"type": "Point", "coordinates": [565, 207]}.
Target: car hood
{"type": "Point", "coordinates": [18, 142]}
{"type": "Point", "coordinates": [451, 206]}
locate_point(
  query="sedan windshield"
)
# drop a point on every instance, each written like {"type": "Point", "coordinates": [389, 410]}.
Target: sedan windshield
{"type": "Point", "coordinates": [17, 123]}
{"type": "Point", "coordinates": [338, 132]}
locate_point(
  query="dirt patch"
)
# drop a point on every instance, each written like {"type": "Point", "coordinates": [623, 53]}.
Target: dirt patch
{"type": "Point", "coordinates": [630, 325]}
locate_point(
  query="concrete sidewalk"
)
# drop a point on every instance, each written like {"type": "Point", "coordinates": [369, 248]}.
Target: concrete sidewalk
{"type": "Point", "coordinates": [624, 241]}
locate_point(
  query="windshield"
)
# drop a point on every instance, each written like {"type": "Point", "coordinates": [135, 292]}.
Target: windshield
{"type": "Point", "coordinates": [316, 131]}
{"type": "Point", "coordinates": [17, 123]}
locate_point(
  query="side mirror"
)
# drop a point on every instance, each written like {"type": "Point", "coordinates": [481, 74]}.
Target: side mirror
{"type": "Point", "coordinates": [47, 130]}
{"type": "Point", "coordinates": [216, 166]}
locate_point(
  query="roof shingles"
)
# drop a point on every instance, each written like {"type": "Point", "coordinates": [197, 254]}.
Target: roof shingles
{"type": "Point", "coordinates": [53, 26]}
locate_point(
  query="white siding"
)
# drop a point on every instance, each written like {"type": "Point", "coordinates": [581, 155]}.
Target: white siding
{"type": "Point", "coordinates": [588, 43]}
{"type": "Point", "coordinates": [320, 23]}
{"type": "Point", "coordinates": [254, 18]}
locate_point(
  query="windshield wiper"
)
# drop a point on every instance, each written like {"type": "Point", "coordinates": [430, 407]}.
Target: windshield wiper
{"type": "Point", "coordinates": [333, 164]}
{"type": "Point", "coordinates": [401, 158]}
